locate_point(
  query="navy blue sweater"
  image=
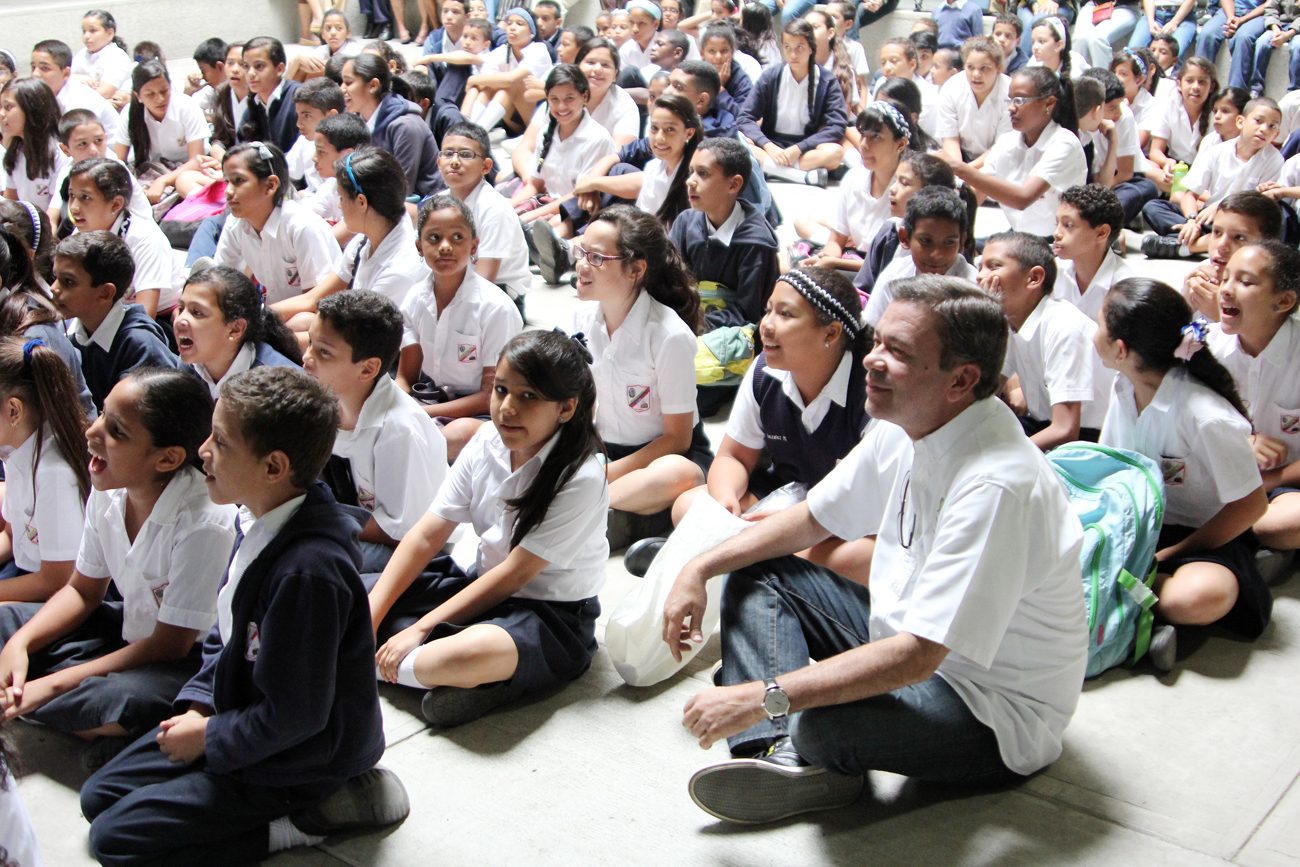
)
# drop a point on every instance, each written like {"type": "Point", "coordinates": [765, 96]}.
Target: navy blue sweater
{"type": "Point", "coordinates": [827, 116]}
{"type": "Point", "coordinates": [400, 129]}
{"type": "Point", "coordinates": [294, 690]}
{"type": "Point", "coordinates": [139, 342]}
{"type": "Point", "coordinates": [748, 266]}
{"type": "Point", "coordinates": [282, 120]}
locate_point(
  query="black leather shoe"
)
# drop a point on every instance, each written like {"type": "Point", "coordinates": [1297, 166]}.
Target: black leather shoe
{"type": "Point", "coordinates": [640, 554]}
{"type": "Point", "coordinates": [372, 29]}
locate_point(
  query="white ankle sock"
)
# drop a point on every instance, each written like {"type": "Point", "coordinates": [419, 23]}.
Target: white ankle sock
{"type": "Point", "coordinates": [406, 671]}
{"type": "Point", "coordinates": [794, 174]}
{"type": "Point", "coordinates": [476, 112]}
{"type": "Point", "coordinates": [491, 115]}
{"type": "Point", "coordinates": [285, 835]}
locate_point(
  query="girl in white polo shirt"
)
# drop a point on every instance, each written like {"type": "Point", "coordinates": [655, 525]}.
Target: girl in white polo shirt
{"type": "Point", "coordinates": [523, 619]}
{"type": "Point", "coordinates": [162, 126]}
{"type": "Point", "coordinates": [46, 481]}
{"type": "Point", "coordinates": [1176, 404]}
{"type": "Point", "coordinates": [102, 62]}
{"type": "Point", "coordinates": [973, 104]}
{"type": "Point", "coordinates": [153, 532]}
{"type": "Point", "coordinates": [282, 245]}
{"type": "Point", "coordinates": [1257, 338]}
{"type": "Point", "coordinates": [29, 124]}
{"type": "Point", "coordinates": [1177, 124]}
{"type": "Point", "coordinates": [640, 313]}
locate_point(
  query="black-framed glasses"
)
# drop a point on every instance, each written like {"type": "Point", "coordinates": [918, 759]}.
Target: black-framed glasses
{"type": "Point", "coordinates": [465, 155]}
{"type": "Point", "coordinates": [593, 258]}
{"type": "Point", "coordinates": [902, 510]}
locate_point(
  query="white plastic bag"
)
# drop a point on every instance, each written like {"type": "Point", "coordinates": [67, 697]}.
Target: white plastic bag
{"type": "Point", "coordinates": [634, 635]}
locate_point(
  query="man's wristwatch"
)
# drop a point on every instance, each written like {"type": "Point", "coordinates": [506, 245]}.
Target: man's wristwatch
{"type": "Point", "coordinates": [775, 702]}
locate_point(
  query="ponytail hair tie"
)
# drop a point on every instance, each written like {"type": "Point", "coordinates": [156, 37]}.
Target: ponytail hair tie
{"type": "Point", "coordinates": [580, 340]}
{"type": "Point", "coordinates": [1193, 339]}
{"type": "Point", "coordinates": [28, 347]}
{"type": "Point", "coordinates": [36, 223]}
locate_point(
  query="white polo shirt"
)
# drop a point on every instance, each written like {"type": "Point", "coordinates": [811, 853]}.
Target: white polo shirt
{"type": "Point", "coordinates": [1057, 363]}
{"type": "Point", "coordinates": [258, 533]}
{"type": "Point", "coordinates": [1126, 133]}
{"type": "Point", "coordinates": [571, 158]}
{"type": "Point", "coordinates": [792, 109]}
{"type": "Point", "coordinates": [534, 56]}
{"type": "Point", "coordinates": [1167, 119]}
{"type": "Point", "coordinates": [1219, 172]}
{"type": "Point", "coordinates": [1113, 269]}
{"type": "Point", "coordinates": [500, 236]}
{"type": "Point", "coordinates": [108, 64]}
{"type": "Point", "coordinates": [324, 201]}
{"type": "Point", "coordinates": [466, 338]}
{"type": "Point", "coordinates": [655, 181]}
{"type": "Point", "coordinates": [392, 269]}
{"type": "Point", "coordinates": [44, 510]}
{"type": "Point", "coordinates": [617, 113]}
{"type": "Point", "coordinates": [398, 457]}
{"type": "Point", "coordinates": [301, 160]}
{"type": "Point", "coordinates": [75, 95]}
{"type": "Point", "coordinates": [745, 425]}
{"type": "Point", "coordinates": [37, 191]}
{"type": "Point", "coordinates": [859, 214]}
{"type": "Point", "coordinates": [295, 250]}
{"type": "Point", "coordinates": [632, 54]}
{"type": "Point", "coordinates": [1199, 440]}
{"type": "Point", "coordinates": [182, 122]}
{"type": "Point", "coordinates": [570, 538]}
{"type": "Point", "coordinates": [1290, 107]}
{"type": "Point", "coordinates": [990, 571]}
{"type": "Point", "coordinates": [929, 117]}
{"type": "Point", "coordinates": [138, 206]}
{"type": "Point", "coordinates": [1269, 383]}
{"type": "Point", "coordinates": [960, 116]}
{"type": "Point", "coordinates": [1057, 157]}
{"type": "Point", "coordinates": [156, 265]}
{"type": "Point", "coordinates": [644, 371]}
{"type": "Point", "coordinates": [901, 267]}
{"type": "Point", "coordinates": [243, 361]}
{"type": "Point", "coordinates": [171, 572]}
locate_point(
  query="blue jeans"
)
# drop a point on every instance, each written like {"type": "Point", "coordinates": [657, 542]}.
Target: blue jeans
{"type": "Point", "coordinates": [1028, 16]}
{"type": "Point", "coordinates": [779, 613]}
{"type": "Point", "coordinates": [1185, 33]}
{"type": "Point", "coordinates": [1095, 41]}
{"type": "Point", "coordinates": [1242, 45]}
{"type": "Point", "coordinates": [795, 9]}
{"type": "Point", "coordinates": [206, 236]}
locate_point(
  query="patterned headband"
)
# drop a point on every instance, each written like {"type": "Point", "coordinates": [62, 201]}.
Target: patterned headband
{"type": "Point", "coordinates": [1058, 27]}
{"type": "Point", "coordinates": [898, 122]}
{"type": "Point", "coordinates": [36, 223]}
{"type": "Point", "coordinates": [1137, 58]}
{"type": "Point", "coordinates": [822, 300]}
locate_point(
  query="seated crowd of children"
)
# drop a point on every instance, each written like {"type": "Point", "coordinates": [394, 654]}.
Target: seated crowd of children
{"type": "Point", "coordinates": [339, 376]}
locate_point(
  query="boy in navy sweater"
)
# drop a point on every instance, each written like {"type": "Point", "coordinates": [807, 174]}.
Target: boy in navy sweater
{"type": "Point", "coordinates": [279, 732]}
{"type": "Point", "coordinates": [92, 271]}
{"type": "Point", "coordinates": [958, 21]}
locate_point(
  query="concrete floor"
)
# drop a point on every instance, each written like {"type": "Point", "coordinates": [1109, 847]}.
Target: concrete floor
{"type": "Point", "coordinates": [1192, 768]}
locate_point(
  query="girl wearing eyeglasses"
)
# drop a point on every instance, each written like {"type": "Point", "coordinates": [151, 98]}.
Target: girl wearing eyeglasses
{"type": "Point", "coordinates": [381, 256]}
{"type": "Point", "coordinates": [640, 313]}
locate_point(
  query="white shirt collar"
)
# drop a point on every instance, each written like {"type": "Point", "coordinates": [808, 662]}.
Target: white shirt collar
{"type": "Point", "coordinates": [377, 405]}
{"type": "Point", "coordinates": [634, 323]}
{"type": "Point", "coordinates": [728, 228]}
{"type": "Point", "coordinates": [279, 88]}
{"type": "Point", "coordinates": [503, 454]}
{"type": "Point", "coordinates": [268, 525]}
{"type": "Point", "coordinates": [836, 390]}
{"type": "Point", "coordinates": [243, 361]}
{"type": "Point", "coordinates": [107, 330]}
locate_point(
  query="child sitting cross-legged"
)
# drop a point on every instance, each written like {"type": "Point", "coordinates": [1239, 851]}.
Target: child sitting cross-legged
{"type": "Point", "coordinates": [280, 730]}
{"type": "Point", "coordinates": [84, 663]}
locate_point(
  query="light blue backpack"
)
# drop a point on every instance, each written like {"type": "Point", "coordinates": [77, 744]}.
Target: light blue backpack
{"type": "Point", "coordinates": [1119, 496]}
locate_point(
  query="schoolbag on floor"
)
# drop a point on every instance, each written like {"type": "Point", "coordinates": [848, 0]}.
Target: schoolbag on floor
{"type": "Point", "coordinates": [1119, 496]}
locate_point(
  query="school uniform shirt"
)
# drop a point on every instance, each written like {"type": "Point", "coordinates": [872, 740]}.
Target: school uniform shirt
{"type": "Point", "coordinates": [156, 266]}
{"type": "Point", "coordinates": [247, 357]}
{"type": "Point", "coordinates": [324, 201]}
{"type": "Point", "coordinates": [644, 371]}
{"type": "Point", "coordinates": [1126, 135]}
{"type": "Point", "coordinates": [43, 509]}
{"type": "Point", "coordinates": [929, 116]}
{"type": "Point", "coordinates": [38, 191]}
{"type": "Point", "coordinates": [655, 181]}
{"type": "Point", "coordinates": [350, 48]}
{"type": "Point", "coordinates": [1054, 357]}
{"type": "Point", "coordinates": [745, 425]}
{"type": "Point", "coordinates": [1220, 172]}
{"type": "Point", "coordinates": [1078, 64]}
{"type": "Point", "coordinates": [534, 56]}
{"type": "Point", "coordinates": [575, 156]}
{"type": "Point", "coordinates": [392, 269]}
{"type": "Point", "coordinates": [1113, 269]}
{"type": "Point", "coordinates": [468, 335]}
{"type": "Point", "coordinates": [295, 251]}
{"type": "Point", "coordinates": [1290, 107]}
{"type": "Point", "coordinates": [904, 266]}
{"type": "Point", "coordinates": [237, 108]}
{"type": "Point", "coordinates": [75, 95]}
{"type": "Point", "coordinates": [171, 572]}
{"type": "Point", "coordinates": [749, 65]}
{"type": "Point", "coordinates": [1167, 119]}
{"type": "Point", "coordinates": [500, 236]}
{"type": "Point", "coordinates": [978, 126]}
{"type": "Point", "coordinates": [1057, 157]}
{"type": "Point", "coordinates": [632, 54]}
{"type": "Point", "coordinates": [1201, 443]}
{"type": "Point", "coordinates": [978, 550]}
{"type": "Point", "coordinates": [1141, 105]}
{"type": "Point", "coordinates": [617, 113]}
{"type": "Point", "coordinates": [792, 113]}
{"type": "Point", "coordinates": [301, 160]}
{"type": "Point", "coordinates": [858, 214]}
{"type": "Point", "coordinates": [108, 64]}
{"type": "Point", "coordinates": [16, 829]}
{"type": "Point", "coordinates": [183, 122]}
{"type": "Point", "coordinates": [1211, 139]}
{"type": "Point", "coordinates": [138, 206]}
{"type": "Point", "coordinates": [1269, 384]}
{"type": "Point", "coordinates": [857, 56]}
{"type": "Point", "coordinates": [398, 457]}
{"type": "Point", "coordinates": [570, 538]}
{"type": "Point", "coordinates": [257, 534]}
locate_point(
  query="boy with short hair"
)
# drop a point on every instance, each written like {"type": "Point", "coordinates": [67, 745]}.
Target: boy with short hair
{"type": "Point", "coordinates": [1241, 219]}
{"type": "Point", "coordinates": [1239, 164]}
{"type": "Point", "coordinates": [934, 232]}
{"type": "Point", "coordinates": [210, 55]}
{"type": "Point", "coordinates": [947, 63]}
{"type": "Point", "coordinates": [92, 271]}
{"type": "Point", "coordinates": [82, 137]}
{"type": "Point", "coordinates": [1061, 389]}
{"type": "Point", "coordinates": [700, 83]}
{"type": "Point", "coordinates": [958, 21]}
{"type": "Point", "coordinates": [459, 59]}
{"type": "Point", "coordinates": [284, 712]}
{"type": "Point", "coordinates": [1088, 220]}
{"type": "Point", "coordinates": [390, 458]}
{"type": "Point", "coordinates": [927, 44]}
{"type": "Point", "coordinates": [1134, 190]}
{"type": "Point", "coordinates": [315, 100]}
{"type": "Point", "coordinates": [333, 139]}
{"type": "Point", "coordinates": [549, 16]}
{"type": "Point", "coordinates": [52, 64]}
{"type": "Point", "coordinates": [1008, 30]}
{"type": "Point", "coordinates": [668, 51]}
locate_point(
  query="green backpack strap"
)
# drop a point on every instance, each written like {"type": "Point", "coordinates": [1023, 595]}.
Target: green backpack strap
{"type": "Point", "coordinates": [1147, 599]}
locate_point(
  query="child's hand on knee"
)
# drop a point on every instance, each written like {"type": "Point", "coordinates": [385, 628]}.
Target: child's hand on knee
{"type": "Point", "coordinates": [390, 656]}
{"type": "Point", "coordinates": [13, 676]}
{"type": "Point", "coordinates": [184, 738]}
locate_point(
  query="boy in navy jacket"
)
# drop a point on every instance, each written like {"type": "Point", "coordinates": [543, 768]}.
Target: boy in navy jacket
{"type": "Point", "coordinates": [92, 271]}
{"type": "Point", "coordinates": [278, 734]}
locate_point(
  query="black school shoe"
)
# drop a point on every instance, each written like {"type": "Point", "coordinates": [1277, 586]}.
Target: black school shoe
{"type": "Point", "coordinates": [449, 706]}
{"type": "Point", "coordinates": [770, 787]}
{"type": "Point", "coordinates": [370, 800]}
{"type": "Point", "coordinates": [552, 253]}
{"type": "Point", "coordinates": [641, 553]}
{"type": "Point", "coordinates": [1162, 247]}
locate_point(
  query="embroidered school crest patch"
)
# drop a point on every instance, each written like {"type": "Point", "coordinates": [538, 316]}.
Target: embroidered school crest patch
{"type": "Point", "coordinates": [365, 499]}
{"type": "Point", "coordinates": [1174, 469]}
{"type": "Point", "coordinates": [158, 593]}
{"type": "Point", "coordinates": [254, 643]}
{"type": "Point", "coordinates": [638, 397]}
{"type": "Point", "coordinates": [32, 535]}
{"type": "Point", "coordinates": [1290, 424]}
{"type": "Point", "coordinates": [292, 276]}
{"type": "Point", "coordinates": [466, 353]}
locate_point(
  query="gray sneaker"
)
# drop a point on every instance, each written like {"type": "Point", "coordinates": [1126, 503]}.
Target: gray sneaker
{"type": "Point", "coordinates": [552, 252]}
{"type": "Point", "coordinates": [1162, 247]}
{"type": "Point", "coordinates": [449, 706]}
{"type": "Point", "coordinates": [771, 787]}
{"type": "Point", "coordinates": [370, 800]}
{"type": "Point", "coordinates": [1163, 652]}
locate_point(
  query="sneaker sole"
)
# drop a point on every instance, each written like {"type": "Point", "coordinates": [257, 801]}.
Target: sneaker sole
{"type": "Point", "coordinates": [752, 791]}
{"type": "Point", "coordinates": [449, 706]}
{"type": "Point", "coordinates": [549, 253]}
{"type": "Point", "coordinates": [370, 800]}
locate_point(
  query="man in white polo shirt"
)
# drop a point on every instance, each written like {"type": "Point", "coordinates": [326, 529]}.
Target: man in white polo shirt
{"type": "Point", "coordinates": [964, 659]}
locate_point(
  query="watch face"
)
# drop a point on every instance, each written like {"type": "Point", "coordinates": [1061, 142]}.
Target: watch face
{"type": "Point", "coordinates": [776, 702]}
